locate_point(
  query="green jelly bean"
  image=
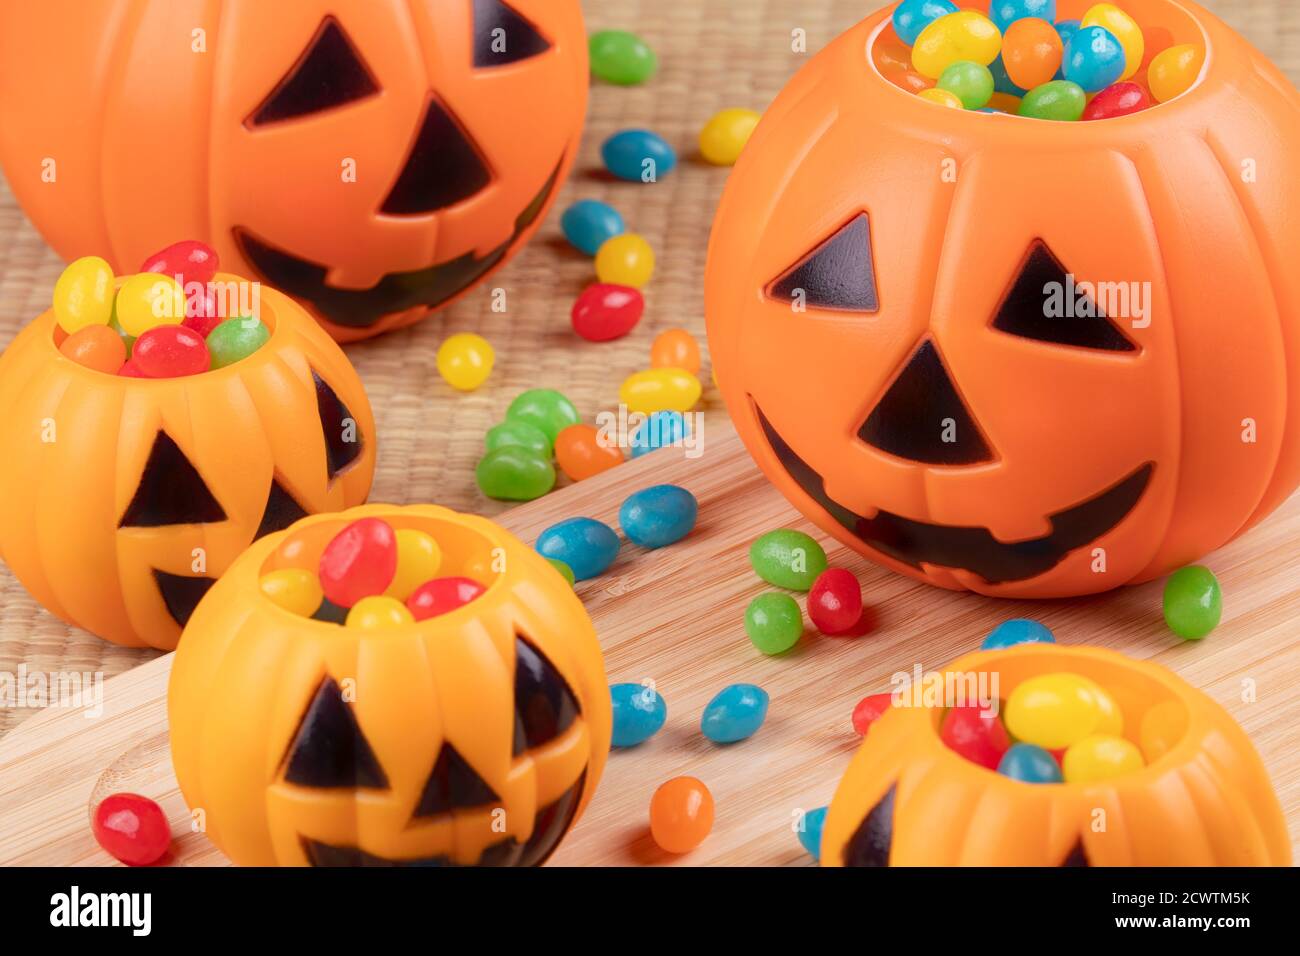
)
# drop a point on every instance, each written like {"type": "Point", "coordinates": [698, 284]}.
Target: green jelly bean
{"type": "Point", "coordinates": [236, 339]}
{"type": "Point", "coordinates": [970, 82]}
{"type": "Point", "coordinates": [1193, 602]}
{"type": "Point", "coordinates": [544, 408]}
{"type": "Point", "coordinates": [773, 622]}
{"type": "Point", "coordinates": [788, 559]}
{"type": "Point", "coordinates": [1055, 100]}
{"type": "Point", "coordinates": [621, 58]}
{"type": "Point", "coordinates": [566, 572]}
{"type": "Point", "coordinates": [518, 433]}
{"type": "Point", "coordinates": [514, 473]}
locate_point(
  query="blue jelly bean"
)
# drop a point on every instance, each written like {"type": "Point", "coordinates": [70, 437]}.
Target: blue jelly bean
{"type": "Point", "coordinates": [735, 713]}
{"type": "Point", "coordinates": [1017, 631]}
{"type": "Point", "coordinates": [586, 545]}
{"type": "Point", "coordinates": [1065, 29]}
{"type": "Point", "coordinates": [1001, 81]}
{"type": "Point", "coordinates": [660, 430]}
{"type": "Point", "coordinates": [810, 831]}
{"type": "Point", "coordinates": [1006, 12]}
{"type": "Point", "coordinates": [913, 16]}
{"type": "Point", "coordinates": [1093, 58]}
{"type": "Point", "coordinates": [638, 155]}
{"type": "Point", "coordinates": [1030, 763]}
{"type": "Point", "coordinates": [589, 224]}
{"type": "Point", "coordinates": [639, 712]}
{"type": "Point", "coordinates": [658, 516]}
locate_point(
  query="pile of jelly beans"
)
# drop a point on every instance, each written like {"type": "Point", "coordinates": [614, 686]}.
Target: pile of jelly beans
{"type": "Point", "coordinates": [148, 327]}
{"type": "Point", "coordinates": [671, 383]}
{"type": "Point", "coordinates": [1020, 60]}
{"type": "Point", "coordinates": [132, 829]}
{"type": "Point", "coordinates": [519, 464]}
{"type": "Point", "coordinates": [371, 576]}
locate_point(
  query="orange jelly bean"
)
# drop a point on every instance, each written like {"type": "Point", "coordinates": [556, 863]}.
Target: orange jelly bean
{"type": "Point", "coordinates": [681, 814]}
{"type": "Point", "coordinates": [581, 455]}
{"type": "Point", "coordinates": [97, 347]}
{"type": "Point", "coordinates": [676, 348]}
{"type": "Point", "coordinates": [893, 59]}
{"type": "Point", "coordinates": [1032, 51]}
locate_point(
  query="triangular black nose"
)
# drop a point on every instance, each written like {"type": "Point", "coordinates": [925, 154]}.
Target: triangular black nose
{"type": "Point", "coordinates": [444, 167]}
{"type": "Point", "coordinates": [922, 418]}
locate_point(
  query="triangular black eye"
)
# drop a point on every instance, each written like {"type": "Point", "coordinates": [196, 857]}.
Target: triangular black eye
{"type": "Point", "coordinates": [839, 274]}
{"type": "Point", "coordinates": [329, 73]}
{"type": "Point", "coordinates": [453, 783]}
{"type": "Point", "coordinates": [329, 749]}
{"type": "Point", "coordinates": [870, 844]}
{"type": "Point", "coordinates": [1077, 856]}
{"type": "Point", "coordinates": [343, 439]}
{"type": "Point", "coordinates": [1046, 304]}
{"type": "Point", "coordinates": [180, 594]}
{"type": "Point", "coordinates": [171, 491]}
{"type": "Point", "coordinates": [502, 35]}
{"type": "Point", "coordinates": [281, 510]}
{"type": "Point", "coordinates": [550, 825]}
{"type": "Point", "coordinates": [443, 168]}
{"type": "Point", "coordinates": [544, 704]}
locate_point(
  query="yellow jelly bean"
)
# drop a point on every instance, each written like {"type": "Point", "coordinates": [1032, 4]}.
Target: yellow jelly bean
{"type": "Point", "coordinates": [1162, 727]}
{"type": "Point", "coordinates": [965, 35]}
{"type": "Point", "coordinates": [1100, 757]}
{"type": "Point", "coordinates": [465, 361]}
{"type": "Point", "coordinates": [1125, 30]}
{"type": "Point", "coordinates": [147, 300]}
{"type": "Point", "coordinates": [625, 260]}
{"type": "Point", "coordinates": [418, 560]}
{"type": "Point", "coordinates": [1055, 710]}
{"type": "Point", "coordinates": [660, 390]}
{"type": "Point", "coordinates": [377, 612]}
{"type": "Point", "coordinates": [1174, 71]}
{"type": "Point", "coordinates": [725, 135]}
{"type": "Point", "coordinates": [84, 294]}
{"type": "Point", "coordinates": [294, 589]}
{"type": "Point", "coordinates": [942, 97]}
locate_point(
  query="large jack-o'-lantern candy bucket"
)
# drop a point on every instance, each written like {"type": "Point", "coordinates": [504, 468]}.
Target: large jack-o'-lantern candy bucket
{"type": "Point", "coordinates": [1194, 792]}
{"type": "Point", "coordinates": [122, 499]}
{"type": "Point", "coordinates": [475, 737]}
{"type": "Point", "coordinates": [373, 160]}
{"type": "Point", "coordinates": [1023, 357]}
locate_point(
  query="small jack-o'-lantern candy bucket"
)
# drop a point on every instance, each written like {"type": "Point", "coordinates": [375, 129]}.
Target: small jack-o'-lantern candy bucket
{"type": "Point", "coordinates": [1196, 793]}
{"type": "Point", "coordinates": [122, 499]}
{"type": "Point", "coordinates": [475, 737]}
{"type": "Point", "coordinates": [1021, 357]}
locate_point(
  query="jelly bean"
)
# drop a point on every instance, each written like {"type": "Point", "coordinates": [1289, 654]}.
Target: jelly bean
{"type": "Point", "coordinates": [606, 312]}
{"type": "Point", "coordinates": [1093, 58]}
{"type": "Point", "coordinates": [581, 454]}
{"type": "Point", "coordinates": [965, 35]}
{"type": "Point", "coordinates": [586, 545]}
{"type": "Point", "coordinates": [1058, 100]}
{"type": "Point", "coordinates": [660, 390]}
{"type": "Point", "coordinates": [588, 224]}
{"type": "Point", "coordinates": [941, 98]}
{"type": "Point", "coordinates": [1002, 82]}
{"type": "Point", "coordinates": [566, 572]}
{"type": "Point", "coordinates": [734, 714]}
{"type": "Point", "coordinates": [639, 713]}
{"type": "Point", "coordinates": [1173, 71]}
{"type": "Point", "coordinates": [773, 622]}
{"type": "Point", "coordinates": [544, 408]}
{"type": "Point", "coordinates": [658, 516]}
{"type": "Point", "coordinates": [811, 825]}
{"type": "Point", "coordinates": [442, 595]}
{"type": "Point", "coordinates": [418, 560]}
{"type": "Point", "coordinates": [96, 347]}
{"type": "Point", "coordinates": [969, 82]}
{"type": "Point", "coordinates": [660, 430]}
{"type": "Point", "coordinates": [625, 260]}
{"type": "Point", "coordinates": [127, 340]}
{"type": "Point", "coordinates": [377, 612]}
{"type": "Point", "coordinates": [1018, 630]}
{"type": "Point", "coordinates": [1193, 603]}
{"type": "Point", "coordinates": [1118, 100]}
{"type": "Point", "coordinates": [1003, 13]}
{"type": "Point", "coordinates": [638, 155]}
{"type": "Point", "coordinates": [465, 361]}
{"type": "Point", "coordinates": [622, 58]}
{"type": "Point", "coordinates": [203, 321]}
{"type": "Point", "coordinates": [675, 348]}
{"type": "Point", "coordinates": [235, 339]}
{"type": "Point", "coordinates": [170, 351]}
{"type": "Point", "coordinates": [787, 558]}
{"type": "Point", "coordinates": [1100, 757]}
{"type": "Point", "coordinates": [193, 261]}
{"type": "Point", "coordinates": [1004, 103]}
{"type": "Point", "coordinates": [514, 473]}
{"type": "Point", "coordinates": [908, 80]}
{"type": "Point", "coordinates": [148, 300]}
{"type": "Point", "coordinates": [835, 601]}
{"type": "Point", "coordinates": [724, 137]}
{"type": "Point", "coordinates": [1033, 52]}
{"type": "Point", "coordinates": [1030, 764]}
{"type": "Point", "coordinates": [131, 828]}
{"type": "Point", "coordinates": [296, 590]}
{"type": "Point", "coordinates": [870, 709]}
{"type": "Point", "coordinates": [83, 294]}
{"type": "Point", "coordinates": [1162, 727]}
{"type": "Point", "coordinates": [913, 16]}
{"type": "Point", "coordinates": [1055, 710]}
{"type": "Point", "coordinates": [359, 562]}
{"type": "Point", "coordinates": [975, 735]}
{"type": "Point", "coordinates": [681, 814]}
{"type": "Point", "coordinates": [518, 433]}
{"type": "Point", "coordinates": [1124, 28]}
{"type": "Point", "coordinates": [1067, 29]}
{"type": "Point", "coordinates": [130, 370]}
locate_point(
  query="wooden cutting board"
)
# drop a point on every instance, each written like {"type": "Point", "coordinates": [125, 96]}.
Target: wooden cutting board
{"type": "Point", "coordinates": [675, 616]}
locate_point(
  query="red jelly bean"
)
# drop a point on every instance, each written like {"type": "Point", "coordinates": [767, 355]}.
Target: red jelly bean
{"type": "Point", "coordinates": [442, 595]}
{"type": "Point", "coordinates": [604, 312]}
{"type": "Point", "coordinates": [132, 828]}
{"type": "Point", "coordinates": [980, 739]}
{"type": "Point", "coordinates": [130, 370]}
{"type": "Point", "coordinates": [869, 710]}
{"type": "Point", "coordinates": [359, 562]}
{"type": "Point", "coordinates": [170, 351]}
{"type": "Point", "coordinates": [835, 601]}
{"type": "Point", "coordinates": [1117, 100]}
{"type": "Point", "coordinates": [201, 314]}
{"type": "Point", "coordinates": [193, 260]}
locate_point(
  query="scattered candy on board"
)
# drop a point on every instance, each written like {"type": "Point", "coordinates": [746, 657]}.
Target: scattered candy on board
{"type": "Point", "coordinates": [639, 713]}
{"type": "Point", "coordinates": [1193, 602]}
{"type": "Point", "coordinates": [835, 601]}
{"type": "Point", "coordinates": [681, 814]}
{"type": "Point", "coordinates": [788, 559]}
{"type": "Point", "coordinates": [132, 829]}
{"type": "Point", "coordinates": [773, 622]}
{"type": "Point", "coordinates": [625, 260]}
{"type": "Point", "coordinates": [465, 361]}
{"type": "Point", "coordinates": [810, 831]}
{"type": "Point", "coordinates": [638, 156]}
{"type": "Point", "coordinates": [586, 545]}
{"type": "Point", "coordinates": [1017, 631]}
{"type": "Point", "coordinates": [869, 709]}
{"type": "Point", "coordinates": [581, 455]}
{"type": "Point", "coordinates": [675, 348]}
{"type": "Point", "coordinates": [518, 464]}
{"type": "Point", "coordinates": [659, 430]}
{"type": "Point", "coordinates": [735, 713]}
{"type": "Point", "coordinates": [658, 516]}
{"type": "Point", "coordinates": [606, 312]}
{"type": "Point", "coordinates": [589, 224]}
{"type": "Point", "coordinates": [621, 58]}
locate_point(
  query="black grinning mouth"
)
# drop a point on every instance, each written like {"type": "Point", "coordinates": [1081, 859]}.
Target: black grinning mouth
{"type": "Point", "coordinates": [970, 548]}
